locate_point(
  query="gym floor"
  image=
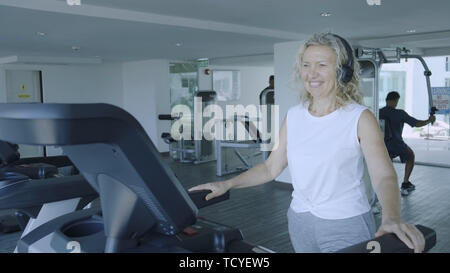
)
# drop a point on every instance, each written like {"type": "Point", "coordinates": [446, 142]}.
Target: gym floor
{"type": "Point", "coordinates": [260, 212]}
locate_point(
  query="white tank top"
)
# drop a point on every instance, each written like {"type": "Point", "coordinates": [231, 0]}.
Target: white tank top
{"type": "Point", "coordinates": [326, 162]}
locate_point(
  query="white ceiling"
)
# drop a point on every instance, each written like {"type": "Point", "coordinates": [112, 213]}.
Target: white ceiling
{"type": "Point", "coordinates": [124, 30]}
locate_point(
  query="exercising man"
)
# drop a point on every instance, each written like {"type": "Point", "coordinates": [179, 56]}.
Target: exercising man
{"type": "Point", "coordinates": [394, 121]}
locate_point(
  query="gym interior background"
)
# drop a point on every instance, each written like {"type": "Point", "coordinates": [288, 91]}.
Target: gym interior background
{"type": "Point", "coordinates": [147, 56]}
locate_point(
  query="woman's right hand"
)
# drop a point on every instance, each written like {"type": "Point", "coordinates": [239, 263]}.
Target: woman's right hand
{"type": "Point", "coordinates": [216, 188]}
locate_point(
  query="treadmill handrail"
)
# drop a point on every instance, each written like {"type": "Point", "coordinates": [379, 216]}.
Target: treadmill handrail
{"type": "Point", "coordinates": [390, 243]}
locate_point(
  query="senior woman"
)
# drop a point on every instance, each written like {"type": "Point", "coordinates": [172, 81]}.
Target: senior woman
{"type": "Point", "coordinates": [324, 140]}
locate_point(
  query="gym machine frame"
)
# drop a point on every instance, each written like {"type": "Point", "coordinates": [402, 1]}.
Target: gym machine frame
{"type": "Point", "coordinates": [198, 153]}
{"type": "Point", "coordinates": [377, 57]}
{"type": "Point", "coordinates": [235, 143]}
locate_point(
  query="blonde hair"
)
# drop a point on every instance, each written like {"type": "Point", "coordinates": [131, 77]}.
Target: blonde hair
{"type": "Point", "coordinates": [346, 92]}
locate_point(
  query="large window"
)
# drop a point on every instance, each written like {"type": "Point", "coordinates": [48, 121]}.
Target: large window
{"type": "Point", "coordinates": [183, 84]}
{"type": "Point", "coordinates": [227, 83]}
{"type": "Point", "coordinates": [392, 81]}
{"type": "Point", "coordinates": [430, 143]}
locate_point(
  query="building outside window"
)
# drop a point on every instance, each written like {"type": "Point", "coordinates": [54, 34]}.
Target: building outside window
{"type": "Point", "coordinates": [430, 143]}
{"type": "Point", "coordinates": [392, 81]}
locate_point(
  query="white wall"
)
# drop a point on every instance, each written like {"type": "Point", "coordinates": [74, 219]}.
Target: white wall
{"type": "Point", "coordinates": [141, 88]}
{"type": "Point", "coordinates": [74, 84]}
{"type": "Point", "coordinates": [285, 95]}
{"type": "Point", "coordinates": [83, 84]}
{"type": "Point", "coordinates": [146, 94]}
{"type": "Point", "coordinates": [253, 81]}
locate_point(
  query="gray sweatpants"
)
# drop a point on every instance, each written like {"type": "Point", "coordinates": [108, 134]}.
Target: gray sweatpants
{"type": "Point", "coordinates": [313, 234]}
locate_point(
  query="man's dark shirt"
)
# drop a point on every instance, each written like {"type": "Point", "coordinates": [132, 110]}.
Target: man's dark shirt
{"type": "Point", "coordinates": [395, 119]}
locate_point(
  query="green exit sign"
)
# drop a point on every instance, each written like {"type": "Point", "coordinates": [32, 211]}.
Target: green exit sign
{"type": "Point", "coordinates": [203, 62]}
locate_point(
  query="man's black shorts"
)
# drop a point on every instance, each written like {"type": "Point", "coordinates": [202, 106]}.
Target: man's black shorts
{"type": "Point", "coordinates": [396, 148]}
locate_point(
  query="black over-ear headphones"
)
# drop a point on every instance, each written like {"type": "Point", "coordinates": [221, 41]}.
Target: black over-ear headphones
{"type": "Point", "coordinates": [345, 72]}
